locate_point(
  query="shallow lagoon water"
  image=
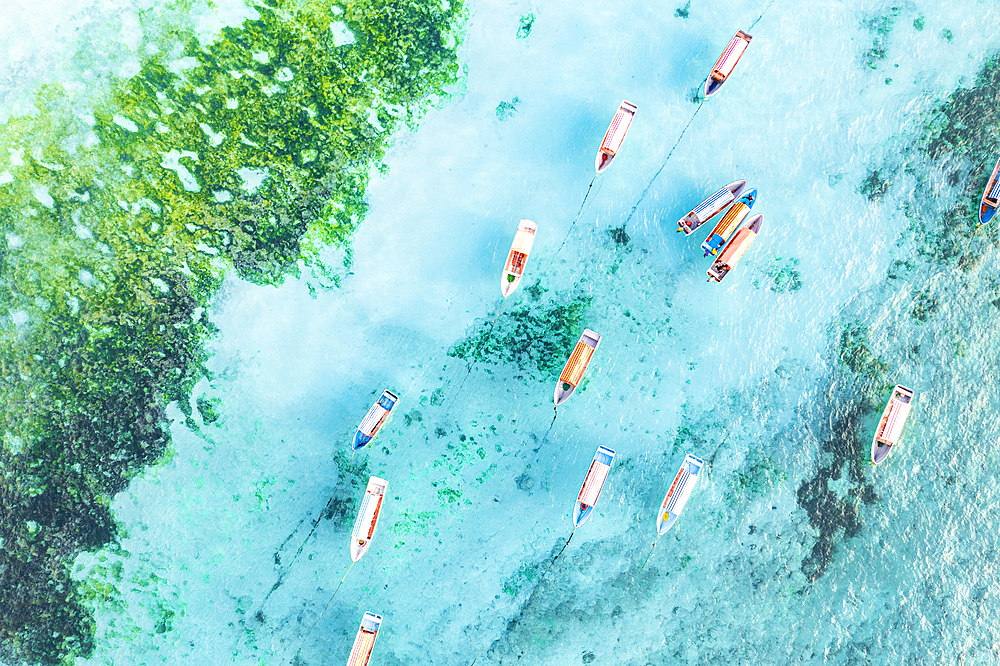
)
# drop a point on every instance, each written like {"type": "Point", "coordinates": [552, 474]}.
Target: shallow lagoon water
{"type": "Point", "coordinates": [791, 548]}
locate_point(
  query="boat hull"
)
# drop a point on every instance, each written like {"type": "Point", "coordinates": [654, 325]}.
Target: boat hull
{"type": "Point", "coordinates": [368, 515]}
{"type": "Point", "coordinates": [735, 249]}
{"type": "Point", "coordinates": [364, 642]}
{"type": "Point", "coordinates": [615, 135]}
{"type": "Point", "coordinates": [891, 423]}
{"type": "Point", "coordinates": [714, 204]}
{"type": "Point", "coordinates": [729, 223]}
{"type": "Point", "coordinates": [374, 420]}
{"type": "Point", "coordinates": [991, 197]}
{"type": "Point", "coordinates": [517, 258]}
{"type": "Point", "coordinates": [678, 493]}
{"type": "Point", "coordinates": [726, 63]}
{"type": "Point", "coordinates": [593, 484]}
{"type": "Point", "coordinates": [576, 365]}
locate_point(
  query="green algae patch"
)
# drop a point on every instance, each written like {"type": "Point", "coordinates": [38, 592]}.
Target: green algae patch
{"type": "Point", "coordinates": [536, 339]}
{"type": "Point", "coordinates": [252, 154]}
{"type": "Point", "coordinates": [780, 275]}
{"type": "Point", "coordinates": [524, 27]}
{"type": "Point", "coordinates": [757, 476]}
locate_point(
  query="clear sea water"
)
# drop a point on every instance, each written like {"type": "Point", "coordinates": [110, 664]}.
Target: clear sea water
{"type": "Point", "coordinates": [888, 566]}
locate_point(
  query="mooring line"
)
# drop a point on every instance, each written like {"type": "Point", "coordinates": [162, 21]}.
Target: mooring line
{"type": "Point", "coordinates": [645, 561]}
{"type": "Point", "coordinates": [662, 166]}
{"type": "Point", "coordinates": [578, 214]}
{"type": "Point", "coordinates": [761, 15]}
{"type": "Point", "coordinates": [305, 636]}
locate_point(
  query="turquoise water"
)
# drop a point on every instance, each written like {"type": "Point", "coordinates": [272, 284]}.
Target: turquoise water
{"type": "Point", "coordinates": [792, 548]}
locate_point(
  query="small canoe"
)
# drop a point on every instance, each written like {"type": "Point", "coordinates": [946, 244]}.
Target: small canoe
{"type": "Point", "coordinates": [592, 485]}
{"type": "Point", "coordinates": [711, 206]}
{"type": "Point", "coordinates": [615, 135]}
{"type": "Point", "coordinates": [374, 420]}
{"type": "Point", "coordinates": [677, 496]}
{"type": "Point", "coordinates": [891, 424]}
{"type": "Point", "coordinates": [735, 250]}
{"type": "Point", "coordinates": [364, 642]}
{"type": "Point", "coordinates": [727, 62]}
{"type": "Point", "coordinates": [367, 520]}
{"type": "Point", "coordinates": [518, 257]}
{"type": "Point", "coordinates": [573, 371]}
{"type": "Point", "coordinates": [729, 223]}
{"type": "Point", "coordinates": [991, 195]}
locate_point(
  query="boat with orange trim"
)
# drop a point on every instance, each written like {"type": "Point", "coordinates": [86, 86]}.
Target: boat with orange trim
{"type": "Point", "coordinates": [710, 207]}
{"type": "Point", "coordinates": [364, 642]}
{"type": "Point", "coordinates": [735, 250]}
{"type": "Point", "coordinates": [374, 420]}
{"type": "Point", "coordinates": [729, 223]}
{"type": "Point", "coordinates": [524, 238]}
{"type": "Point", "coordinates": [890, 426]}
{"type": "Point", "coordinates": [991, 196]}
{"type": "Point", "coordinates": [680, 491]}
{"type": "Point", "coordinates": [573, 371]}
{"type": "Point", "coordinates": [727, 62]}
{"type": "Point", "coordinates": [368, 514]}
{"type": "Point", "coordinates": [613, 138]}
{"type": "Point", "coordinates": [592, 485]}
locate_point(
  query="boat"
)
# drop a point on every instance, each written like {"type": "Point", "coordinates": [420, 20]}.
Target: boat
{"type": "Point", "coordinates": [573, 371]}
{"type": "Point", "coordinates": [367, 520]}
{"type": "Point", "coordinates": [891, 424]}
{"type": "Point", "coordinates": [592, 485]}
{"type": "Point", "coordinates": [729, 223]}
{"type": "Point", "coordinates": [518, 257]}
{"type": "Point", "coordinates": [735, 250]}
{"type": "Point", "coordinates": [711, 206]}
{"type": "Point", "coordinates": [727, 62]}
{"type": "Point", "coordinates": [677, 496]}
{"type": "Point", "coordinates": [615, 135]}
{"type": "Point", "coordinates": [364, 642]}
{"type": "Point", "coordinates": [374, 420]}
{"type": "Point", "coordinates": [991, 195]}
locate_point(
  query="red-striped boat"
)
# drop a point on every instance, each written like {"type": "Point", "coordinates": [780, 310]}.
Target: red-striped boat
{"type": "Point", "coordinates": [592, 485]}
{"type": "Point", "coordinates": [615, 135]}
{"type": "Point", "coordinates": [364, 642]}
{"type": "Point", "coordinates": [727, 62]}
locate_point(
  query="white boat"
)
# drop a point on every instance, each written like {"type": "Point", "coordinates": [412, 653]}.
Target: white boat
{"type": "Point", "coordinates": [364, 642]}
{"type": "Point", "coordinates": [592, 485]}
{"type": "Point", "coordinates": [677, 496]}
{"type": "Point", "coordinates": [735, 249]}
{"type": "Point", "coordinates": [613, 138]}
{"type": "Point", "coordinates": [573, 371]}
{"type": "Point", "coordinates": [518, 257]}
{"type": "Point", "coordinates": [891, 424]}
{"type": "Point", "coordinates": [727, 62]}
{"type": "Point", "coordinates": [711, 206]}
{"type": "Point", "coordinates": [374, 420]}
{"type": "Point", "coordinates": [367, 520]}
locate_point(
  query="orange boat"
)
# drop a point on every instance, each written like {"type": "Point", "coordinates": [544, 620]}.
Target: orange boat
{"type": "Point", "coordinates": [613, 138]}
{"type": "Point", "coordinates": [518, 256]}
{"type": "Point", "coordinates": [573, 371]}
{"type": "Point", "coordinates": [729, 223]}
{"type": "Point", "coordinates": [364, 642]}
{"type": "Point", "coordinates": [731, 256]}
{"type": "Point", "coordinates": [727, 62]}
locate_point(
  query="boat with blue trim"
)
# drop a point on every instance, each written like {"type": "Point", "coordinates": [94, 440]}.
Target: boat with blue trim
{"type": "Point", "coordinates": [729, 223]}
{"type": "Point", "coordinates": [735, 250]}
{"type": "Point", "coordinates": [364, 642]}
{"type": "Point", "coordinates": [710, 207]}
{"type": "Point", "coordinates": [592, 485]}
{"type": "Point", "coordinates": [991, 196]}
{"type": "Point", "coordinates": [727, 62]}
{"type": "Point", "coordinates": [374, 420]}
{"type": "Point", "coordinates": [680, 491]}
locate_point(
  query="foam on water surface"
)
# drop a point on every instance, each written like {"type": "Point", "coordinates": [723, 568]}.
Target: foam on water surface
{"type": "Point", "coordinates": [790, 549]}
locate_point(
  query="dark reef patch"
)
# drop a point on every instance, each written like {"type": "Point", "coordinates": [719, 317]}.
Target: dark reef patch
{"type": "Point", "coordinates": [255, 156]}
{"type": "Point", "coordinates": [537, 338]}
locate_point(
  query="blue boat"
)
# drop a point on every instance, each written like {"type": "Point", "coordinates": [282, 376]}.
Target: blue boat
{"type": "Point", "coordinates": [988, 205]}
{"type": "Point", "coordinates": [729, 223]}
{"type": "Point", "coordinates": [374, 420]}
{"type": "Point", "coordinates": [592, 485]}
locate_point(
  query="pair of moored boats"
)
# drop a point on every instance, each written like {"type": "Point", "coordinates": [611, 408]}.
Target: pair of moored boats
{"type": "Point", "coordinates": [728, 241]}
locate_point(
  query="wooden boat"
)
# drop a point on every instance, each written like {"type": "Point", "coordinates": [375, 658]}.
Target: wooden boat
{"type": "Point", "coordinates": [735, 250]}
{"type": "Point", "coordinates": [374, 420]}
{"type": "Point", "coordinates": [364, 642]}
{"type": "Point", "coordinates": [729, 223]}
{"type": "Point", "coordinates": [991, 195]}
{"type": "Point", "coordinates": [592, 485]}
{"type": "Point", "coordinates": [677, 496]}
{"type": "Point", "coordinates": [711, 206]}
{"type": "Point", "coordinates": [518, 257]}
{"type": "Point", "coordinates": [727, 62]}
{"type": "Point", "coordinates": [891, 424]}
{"type": "Point", "coordinates": [615, 135]}
{"type": "Point", "coordinates": [573, 371]}
{"type": "Point", "coordinates": [367, 520]}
